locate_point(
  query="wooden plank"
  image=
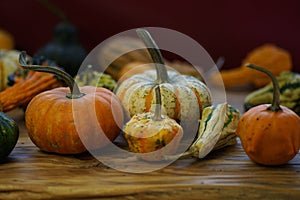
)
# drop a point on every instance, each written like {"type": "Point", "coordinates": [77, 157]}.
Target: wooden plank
{"type": "Point", "coordinates": [227, 173]}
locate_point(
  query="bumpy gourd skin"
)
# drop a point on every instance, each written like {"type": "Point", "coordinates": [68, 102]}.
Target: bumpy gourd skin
{"type": "Point", "coordinates": [159, 138]}
{"type": "Point", "coordinates": [95, 78]}
{"type": "Point", "coordinates": [270, 138]}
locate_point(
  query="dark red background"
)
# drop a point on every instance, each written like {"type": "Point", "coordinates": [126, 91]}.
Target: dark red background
{"type": "Point", "coordinates": [224, 28]}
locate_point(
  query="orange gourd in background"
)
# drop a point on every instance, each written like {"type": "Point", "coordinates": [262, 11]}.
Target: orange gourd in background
{"type": "Point", "coordinates": [269, 56]}
{"type": "Point", "coordinates": [270, 134]}
{"type": "Point", "coordinates": [6, 40]}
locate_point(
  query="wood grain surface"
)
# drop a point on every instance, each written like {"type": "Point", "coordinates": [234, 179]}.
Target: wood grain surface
{"type": "Point", "coordinates": [227, 173]}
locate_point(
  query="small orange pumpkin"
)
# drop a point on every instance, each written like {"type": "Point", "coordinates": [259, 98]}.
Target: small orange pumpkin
{"type": "Point", "coordinates": [55, 118]}
{"type": "Point", "coordinates": [270, 134]}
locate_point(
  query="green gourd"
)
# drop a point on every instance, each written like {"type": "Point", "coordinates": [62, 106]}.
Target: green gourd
{"type": "Point", "coordinates": [94, 78]}
{"type": "Point", "coordinates": [9, 134]}
{"type": "Point", "coordinates": [289, 85]}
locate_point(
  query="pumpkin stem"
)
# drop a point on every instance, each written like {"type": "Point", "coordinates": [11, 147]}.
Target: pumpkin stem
{"type": "Point", "coordinates": [162, 75]}
{"type": "Point", "coordinates": [157, 115]}
{"type": "Point", "coordinates": [67, 78]}
{"type": "Point", "coordinates": [276, 92]}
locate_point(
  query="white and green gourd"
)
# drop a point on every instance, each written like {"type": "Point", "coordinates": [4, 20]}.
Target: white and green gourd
{"type": "Point", "coordinates": [183, 97]}
{"type": "Point", "coordinates": [216, 130]}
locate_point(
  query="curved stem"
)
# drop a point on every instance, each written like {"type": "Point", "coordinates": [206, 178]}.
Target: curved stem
{"type": "Point", "coordinates": [157, 115]}
{"type": "Point", "coordinates": [67, 78]}
{"type": "Point", "coordinates": [276, 92]}
{"type": "Point", "coordinates": [162, 75]}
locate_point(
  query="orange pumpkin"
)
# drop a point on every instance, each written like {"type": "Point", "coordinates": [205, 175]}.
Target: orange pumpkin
{"type": "Point", "coordinates": [270, 134]}
{"type": "Point", "coordinates": [56, 119]}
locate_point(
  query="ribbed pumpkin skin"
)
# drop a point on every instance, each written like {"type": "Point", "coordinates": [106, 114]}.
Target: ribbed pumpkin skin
{"type": "Point", "coordinates": [9, 134]}
{"type": "Point", "coordinates": [183, 98]}
{"type": "Point", "coordinates": [50, 119]}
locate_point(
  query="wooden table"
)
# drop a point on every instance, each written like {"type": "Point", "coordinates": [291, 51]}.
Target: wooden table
{"type": "Point", "coordinates": [224, 174]}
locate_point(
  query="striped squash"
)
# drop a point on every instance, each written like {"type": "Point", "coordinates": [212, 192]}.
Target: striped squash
{"type": "Point", "coordinates": [216, 130]}
{"type": "Point", "coordinates": [228, 136]}
{"type": "Point", "coordinates": [183, 97]}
